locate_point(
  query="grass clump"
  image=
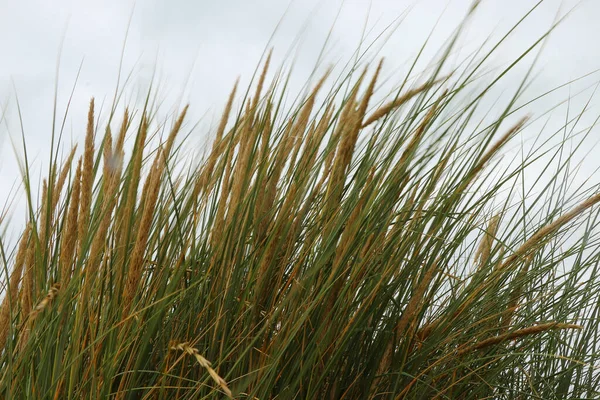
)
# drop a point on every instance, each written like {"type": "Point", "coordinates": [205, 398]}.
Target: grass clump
{"type": "Point", "coordinates": [339, 247]}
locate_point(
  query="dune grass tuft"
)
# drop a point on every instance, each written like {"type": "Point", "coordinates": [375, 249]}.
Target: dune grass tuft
{"type": "Point", "coordinates": [340, 247]}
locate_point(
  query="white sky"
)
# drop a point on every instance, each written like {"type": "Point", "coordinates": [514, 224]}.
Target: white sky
{"type": "Point", "coordinates": [214, 41]}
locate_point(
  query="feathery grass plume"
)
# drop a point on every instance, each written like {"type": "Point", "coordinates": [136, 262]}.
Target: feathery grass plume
{"type": "Point", "coordinates": [394, 104]}
{"type": "Point", "coordinates": [126, 216]}
{"type": "Point", "coordinates": [174, 131]}
{"type": "Point", "coordinates": [28, 289]}
{"type": "Point", "coordinates": [241, 172]}
{"type": "Point", "coordinates": [204, 180]}
{"type": "Point", "coordinates": [259, 86]}
{"type": "Point", "coordinates": [515, 295]}
{"type": "Point", "coordinates": [314, 139]}
{"type": "Point", "coordinates": [113, 163]}
{"type": "Point", "coordinates": [69, 239]}
{"type": "Point", "coordinates": [45, 216]}
{"type": "Point", "coordinates": [263, 197]}
{"type": "Point", "coordinates": [87, 180]}
{"type": "Point", "coordinates": [267, 268]}
{"type": "Point", "coordinates": [487, 242]}
{"type": "Point", "coordinates": [485, 158]}
{"type": "Point", "coordinates": [122, 133]}
{"type": "Point", "coordinates": [99, 236]}
{"type": "Point", "coordinates": [299, 127]}
{"type": "Point", "coordinates": [134, 270]}
{"type": "Point", "coordinates": [344, 141]}
{"type": "Point", "coordinates": [281, 152]}
{"type": "Point", "coordinates": [223, 197]}
{"type": "Point", "coordinates": [136, 166]}
{"type": "Point", "coordinates": [153, 181]}
{"type": "Point", "coordinates": [11, 293]}
{"type": "Point", "coordinates": [349, 120]}
{"type": "Point", "coordinates": [62, 178]}
{"type": "Point", "coordinates": [362, 108]}
{"type": "Point", "coordinates": [531, 244]}
{"type": "Point", "coordinates": [107, 154]}
{"type": "Point", "coordinates": [542, 234]}
{"type": "Point", "coordinates": [408, 315]}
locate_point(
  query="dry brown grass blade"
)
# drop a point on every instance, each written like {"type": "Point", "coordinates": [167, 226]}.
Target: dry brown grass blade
{"type": "Point", "coordinates": [204, 363]}
{"type": "Point", "coordinates": [45, 302]}
{"type": "Point", "coordinates": [33, 314]}
{"type": "Point", "coordinates": [392, 105]}
{"type": "Point", "coordinates": [532, 330]}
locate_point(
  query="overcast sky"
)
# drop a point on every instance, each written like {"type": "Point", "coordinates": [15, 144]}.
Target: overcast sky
{"type": "Point", "coordinates": [212, 42]}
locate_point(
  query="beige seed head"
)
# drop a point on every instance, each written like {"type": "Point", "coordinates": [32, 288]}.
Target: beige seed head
{"type": "Point", "coordinates": [10, 295]}
{"type": "Point", "coordinates": [532, 330]}
{"type": "Point", "coordinates": [261, 82]}
{"type": "Point", "coordinates": [204, 177]}
{"type": "Point", "coordinates": [485, 247]}
{"type": "Point", "coordinates": [139, 249]}
{"type": "Point", "coordinates": [70, 236]}
{"type": "Point", "coordinates": [392, 105]}
{"type": "Point", "coordinates": [62, 178]}
{"type": "Point", "coordinates": [45, 302]}
{"type": "Point", "coordinates": [204, 363]}
{"type": "Point", "coordinates": [174, 132]}
{"type": "Point", "coordinates": [87, 178]}
{"type": "Point", "coordinates": [546, 230]}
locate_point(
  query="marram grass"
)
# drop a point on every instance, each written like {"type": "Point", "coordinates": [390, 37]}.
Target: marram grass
{"type": "Point", "coordinates": [340, 247]}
